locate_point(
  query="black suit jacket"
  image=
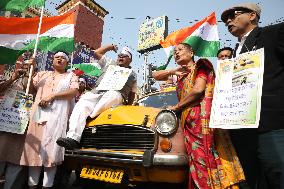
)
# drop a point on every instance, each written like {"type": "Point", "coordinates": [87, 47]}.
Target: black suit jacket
{"type": "Point", "coordinates": [272, 39]}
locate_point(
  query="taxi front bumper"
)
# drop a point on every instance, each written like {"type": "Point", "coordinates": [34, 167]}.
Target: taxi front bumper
{"type": "Point", "coordinates": [144, 167]}
{"type": "Point", "coordinates": [147, 159]}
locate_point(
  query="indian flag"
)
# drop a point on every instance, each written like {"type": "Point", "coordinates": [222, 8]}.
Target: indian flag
{"type": "Point", "coordinates": [203, 37]}
{"type": "Point", "coordinates": [20, 5]}
{"type": "Point", "coordinates": [18, 35]}
{"type": "Point", "coordinates": [90, 69]}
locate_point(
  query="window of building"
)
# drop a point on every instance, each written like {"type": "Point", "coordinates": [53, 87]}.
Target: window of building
{"type": "Point", "coordinates": [2, 13]}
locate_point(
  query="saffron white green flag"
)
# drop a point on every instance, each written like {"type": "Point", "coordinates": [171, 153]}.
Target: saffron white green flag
{"type": "Point", "coordinates": [90, 69]}
{"type": "Point", "coordinates": [203, 37]}
{"type": "Point", "coordinates": [20, 5]}
{"type": "Point", "coordinates": [18, 35]}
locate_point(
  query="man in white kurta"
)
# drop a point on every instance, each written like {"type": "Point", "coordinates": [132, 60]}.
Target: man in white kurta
{"type": "Point", "coordinates": [92, 103]}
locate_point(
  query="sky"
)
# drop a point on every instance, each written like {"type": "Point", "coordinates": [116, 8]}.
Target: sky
{"type": "Point", "coordinates": [181, 13]}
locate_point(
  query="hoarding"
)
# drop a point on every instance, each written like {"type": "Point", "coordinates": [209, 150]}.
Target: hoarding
{"type": "Point", "coordinates": [151, 32]}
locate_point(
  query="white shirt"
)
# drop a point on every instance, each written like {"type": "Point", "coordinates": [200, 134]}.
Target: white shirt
{"type": "Point", "coordinates": [242, 42]}
{"type": "Point", "coordinates": [131, 83]}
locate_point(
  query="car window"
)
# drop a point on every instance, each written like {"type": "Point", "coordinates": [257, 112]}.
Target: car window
{"type": "Point", "coordinates": [160, 100]}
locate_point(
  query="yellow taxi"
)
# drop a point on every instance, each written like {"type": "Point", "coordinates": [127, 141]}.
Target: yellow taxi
{"type": "Point", "coordinates": [141, 143]}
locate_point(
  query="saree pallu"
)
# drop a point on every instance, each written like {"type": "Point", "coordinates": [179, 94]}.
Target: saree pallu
{"type": "Point", "coordinates": [208, 168]}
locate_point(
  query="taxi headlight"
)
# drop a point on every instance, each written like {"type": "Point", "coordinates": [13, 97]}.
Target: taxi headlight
{"type": "Point", "coordinates": [166, 122]}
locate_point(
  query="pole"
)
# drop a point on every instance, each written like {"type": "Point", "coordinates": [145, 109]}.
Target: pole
{"type": "Point", "coordinates": [145, 88]}
{"type": "Point", "coordinates": [146, 68]}
{"type": "Point", "coordinates": [35, 50]}
{"type": "Point", "coordinates": [71, 62]}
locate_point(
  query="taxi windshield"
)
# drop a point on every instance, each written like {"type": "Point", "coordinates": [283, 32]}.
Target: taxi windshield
{"type": "Point", "coordinates": [160, 100]}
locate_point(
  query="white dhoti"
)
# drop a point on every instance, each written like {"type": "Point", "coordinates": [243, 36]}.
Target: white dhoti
{"type": "Point", "coordinates": [90, 104]}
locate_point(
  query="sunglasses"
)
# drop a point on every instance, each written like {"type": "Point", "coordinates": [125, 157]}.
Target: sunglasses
{"type": "Point", "coordinates": [237, 13]}
{"type": "Point", "coordinates": [123, 56]}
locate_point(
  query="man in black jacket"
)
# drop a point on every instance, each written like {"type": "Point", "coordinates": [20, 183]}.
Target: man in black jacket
{"type": "Point", "coordinates": [261, 151]}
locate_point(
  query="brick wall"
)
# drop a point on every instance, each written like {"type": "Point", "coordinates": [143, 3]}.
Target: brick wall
{"type": "Point", "coordinates": [88, 27]}
{"type": "Point", "coordinates": [2, 68]}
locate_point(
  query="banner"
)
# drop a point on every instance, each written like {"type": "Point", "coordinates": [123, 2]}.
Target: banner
{"type": "Point", "coordinates": [114, 78]}
{"type": "Point", "coordinates": [15, 109]}
{"type": "Point", "coordinates": [237, 93]}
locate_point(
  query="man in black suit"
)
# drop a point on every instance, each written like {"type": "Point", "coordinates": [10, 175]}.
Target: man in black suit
{"type": "Point", "coordinates": [261, 151]}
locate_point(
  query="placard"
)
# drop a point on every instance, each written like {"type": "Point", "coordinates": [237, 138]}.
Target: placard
{"type": "Point", "coordinates": [15, 109]}
{"type": "Point", "coordinates": [237, 93]}
{"type": "Point", "coordinates": [114, 78]}
{"type": "Point", "coordinates": [151, 32]}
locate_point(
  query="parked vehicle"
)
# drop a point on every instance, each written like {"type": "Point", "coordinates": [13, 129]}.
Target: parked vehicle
{"type": "Point", "coordinates": [142, 143]}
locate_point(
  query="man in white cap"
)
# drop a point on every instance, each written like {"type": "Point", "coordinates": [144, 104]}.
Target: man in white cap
{"type": "Point", "coordinates": [95, 102]}
{"type": "Point", "coordinates": [261, 150]}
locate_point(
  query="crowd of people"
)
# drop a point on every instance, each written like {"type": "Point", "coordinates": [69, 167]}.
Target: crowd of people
{"type": "Point", "coordinates": [218, 159]}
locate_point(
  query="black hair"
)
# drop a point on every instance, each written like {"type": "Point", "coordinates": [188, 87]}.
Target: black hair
{"type": "Point", "coordinates": [189, 47]}
{"type": "Point", "coordinates": [224, 49]}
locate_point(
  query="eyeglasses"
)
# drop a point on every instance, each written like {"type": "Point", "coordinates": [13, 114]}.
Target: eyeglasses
{"type": "Point", "coordinates": [122, 56]}
{"type": "Point", "coordinates": [235, 14]}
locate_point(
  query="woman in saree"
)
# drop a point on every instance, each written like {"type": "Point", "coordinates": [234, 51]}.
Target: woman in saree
{"type": "Point", "coordinates": [55, 92]}
{"type": "Point", "coordinates": [212, 165]}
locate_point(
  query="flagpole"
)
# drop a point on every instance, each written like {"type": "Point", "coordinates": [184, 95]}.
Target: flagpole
{"type": "Point", "coordinates": [146, 87]}
{"type": "Point", "coordinates": [35, 50]}
{"type": "Point", "coordinates": [71, 62]}
{"type": "Point", "coordinates": [145, 70]}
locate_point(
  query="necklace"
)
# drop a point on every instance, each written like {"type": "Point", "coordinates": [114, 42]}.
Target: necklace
{"type": "Point", "coordinates": [53, 81]}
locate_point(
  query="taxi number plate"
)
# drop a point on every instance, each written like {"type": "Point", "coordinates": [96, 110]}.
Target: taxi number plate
{"type": "Point", "coordinates": [102, 174]}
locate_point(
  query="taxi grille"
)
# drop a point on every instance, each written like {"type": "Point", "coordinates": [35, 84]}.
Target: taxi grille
{"type": "Point", "coordinates": [118, 137]}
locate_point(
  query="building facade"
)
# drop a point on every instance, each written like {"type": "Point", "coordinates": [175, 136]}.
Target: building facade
{"type": "Point", "coordinates": [88, 31]}
{"type": "Point", "coordinates": [89, 21]}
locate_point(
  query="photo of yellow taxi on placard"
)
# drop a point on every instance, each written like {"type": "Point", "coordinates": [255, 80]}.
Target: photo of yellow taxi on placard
{"type": "Point", "coordinates": [141, 143]}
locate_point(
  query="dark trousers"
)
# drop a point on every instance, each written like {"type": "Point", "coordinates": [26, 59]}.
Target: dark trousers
{"type": "Point", "coordinates": [245, 142]}
{"type": "Point", "coordinates": [271, 157]}
{"type": "Point", "coordinates": [15, 176]}
{"type": "Point", "coordinates": [2, 168]}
